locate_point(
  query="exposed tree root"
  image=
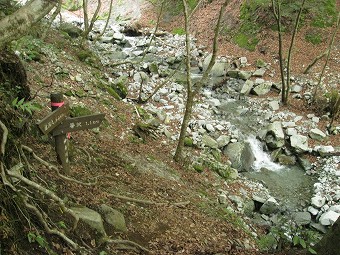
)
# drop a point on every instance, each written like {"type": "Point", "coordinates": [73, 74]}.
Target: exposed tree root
{"type": "Point", "coordinates": [51, 167]}
{"type": "Point", "coordinates": [20, 188]}
{"type": "Point", "coordinates": [130, 245]}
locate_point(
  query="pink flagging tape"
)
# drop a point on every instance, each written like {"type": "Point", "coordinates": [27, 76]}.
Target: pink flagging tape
{"type": "Point", "coordinates": [59, 104]}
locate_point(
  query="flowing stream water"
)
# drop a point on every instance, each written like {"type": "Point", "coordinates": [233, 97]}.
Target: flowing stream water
{"type": "Point", "coordinates": [289, 184]}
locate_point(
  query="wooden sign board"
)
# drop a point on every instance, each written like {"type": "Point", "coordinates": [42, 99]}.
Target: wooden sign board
{"type": "Point", "coordinates": [52, 120]}
{"type": "Point", "coordinates": [79, 123]}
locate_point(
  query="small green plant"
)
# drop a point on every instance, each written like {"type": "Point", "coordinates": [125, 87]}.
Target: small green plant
{"type": "Point", "coordinates": [26, 107]}
{"type": "Point", "coordinates": [33, 237]}
{"type": "Point", "coordinates": [61, 224]}
{"type": "Point", "coordinates": [313, 38]}
{"type": "Point", "coordinates": [298, 241]}
{"type": "Point", "coordinates": [178, 31]}
{"type": "Point", "coordinates": [245, 41]}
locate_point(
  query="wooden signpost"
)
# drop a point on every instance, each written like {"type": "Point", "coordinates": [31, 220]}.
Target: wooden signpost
{"type": "Point", "coordinates": [59, 124]}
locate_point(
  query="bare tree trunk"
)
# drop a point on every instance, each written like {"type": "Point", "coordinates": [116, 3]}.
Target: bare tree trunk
{"type": "Point", "coordinates": [297, 21]}
{"type": "Point", "coordinates": [191, 92]}
{"type": "Point", "coordinates": [190, 98]}
{"type": "Point", "coordinates": [277, 14]}
{"type": "Point", "coordinates": [17, 24]}
{"type": "Point", "coordinates": [107, 21]}
{"type": "Point", "coordinates": [88, 25]}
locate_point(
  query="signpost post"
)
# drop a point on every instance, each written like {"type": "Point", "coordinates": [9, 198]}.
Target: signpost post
{"type": "Point", "coordinates": [59, 124]}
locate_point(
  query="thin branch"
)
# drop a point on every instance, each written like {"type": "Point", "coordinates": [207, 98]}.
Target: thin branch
{"type": "Point", "coordinates": [314, 61]}
{"type": "Point", "coordinates": [201, 82]}
{"type": "Point", "coordinates": [54, 15]}
{"type": "Point", "coordinates": [328, 56]}
{"type": "Point", "coordinates": [195, 9]}
{"type": "Point", "coordinates": [156, 29]}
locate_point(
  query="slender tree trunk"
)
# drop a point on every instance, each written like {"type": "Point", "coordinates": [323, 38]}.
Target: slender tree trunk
{"type": "Point", "coordinates": [277, 14]}
{"type": "Point", "coordinates": [106, 23]}
{"type": "Point", "coordinates": [186, 118]}
{"type": "Point", "coordinates": [190, 96]}
{"type": "Point", "coordinates": [290, 51]}
{"type": "Point", "coordinates": [17, 24]}
{"type": "Point", "coordinates": [191, 92]}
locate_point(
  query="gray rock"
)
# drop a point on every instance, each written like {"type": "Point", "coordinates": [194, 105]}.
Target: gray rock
{"type": "Point", "coordinates": [91, 218]}
{"type": "Point", "coordinates": [296, 89]}
{"type": "Point", "coordinates": [247, 87]}
{"type": "Point", "coordinates": [274, 105]}
{"type": "Point", "coordinates": [214, 102]}
{"type": "Point", "coordinates": [288, 160]}
{"type": "Point", "coordinates": [209, 142]}
{"type": "Point", "coordinates": [259, 72]}
{"type": "Point", "coordinates": [233, 73]}
{"type": "Point", "coordinates": [114, 218]}
{"type": "Point", "coordinates": [243, 61]}
{"type": "Point", "coordinates": [244, 75]}
{"type": "Point", "coordinates": [313, 211]}
{"type": "Point", "coordinates": [218, 69]}
{"type": "Point", "coordinates": [275, 135]}
{"type": "Point", "coordinates": [335, 208]}
{"type": "Point", "coordinates": [72, 30]}
{"type": "Point", "coordinates": [223, 140]}
{"type": "Point", "coordinates": [317, 134]}
{"type": "Point", "coordinates": [318, 227]}
{"type": "Point", "coordinates": [271, 206]}
{"type": "Point", "coordinates": [262, 89]}
{"type": "Point", "coordinates": [240, 155]}
{"type": "Point", "coordinates": [302, 218]}
{"type": "Point", "coordinates": [234, 151]}
{"type": "Point", "coordinates": [305, 163]}
{"type": "Point", "coordinates": [222, 199]}
{"type": "Point", "coordinates": [118, 55]}
{"type": "Point", "coordinates": [325, 151]}
{"type": "Point", "coordinates": [210, 128]}
{"type": "Point", "coordinates": [291, 131]}
{"type": "Point", "coordinates": [299, 143]}
{"type": "Point", "coordinates": [236, 200]}
{"type": "Point", "coordinates": [318, 201]}
{"type": "Point", "coordinates": [328, 218]}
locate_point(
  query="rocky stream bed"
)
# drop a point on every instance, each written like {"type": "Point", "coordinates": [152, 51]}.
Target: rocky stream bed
{"type": "Point", "coordinates": [238, 114]}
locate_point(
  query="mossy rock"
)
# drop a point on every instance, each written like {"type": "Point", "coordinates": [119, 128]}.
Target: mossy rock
{"type": "Point", "coordinates": [198, 167]}
{"type": "Point", "coordinates": [119, 89]}
{"type": "Point", "coordinates": [70, 29]}
{"type": "Point", "coordinates": [188, 142]}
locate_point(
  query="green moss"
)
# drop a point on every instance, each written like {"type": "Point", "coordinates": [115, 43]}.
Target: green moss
{"type": "Point", "coordinates": [314, 38]}
{"type": "Point", "coordinates": [198, 167]}
{"type": "Point", "coordinates": [246, 41]}
{"type": "Point", "coordinates": [79, 110]}
{"type": "Point", "coordinates": [188, 142]}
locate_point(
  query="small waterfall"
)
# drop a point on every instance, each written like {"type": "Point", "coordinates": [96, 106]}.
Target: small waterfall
{"type": "Point", "coordinates": [262, 159]}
